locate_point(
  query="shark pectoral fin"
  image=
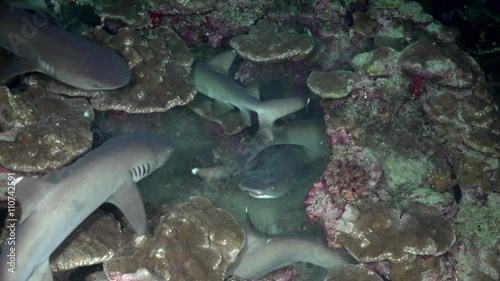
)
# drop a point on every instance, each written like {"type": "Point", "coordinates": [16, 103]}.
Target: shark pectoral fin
{"type": "Point", "coordinates": [129, 200]}
{"type": "Point", "coordinates": [18, 66]}
{"type": "Point", "coordinates": [42, 272]}
{"type": "Point", "coordinates": [223, 62]}
{"type": "Point", "coordinates": [28, 192]}
{"type": "Point", "coordinates": [254, 89]}
{"type": "Point", "coordinates": [221, 108]}
{"type": "Point", "coordinates": [247, 118]}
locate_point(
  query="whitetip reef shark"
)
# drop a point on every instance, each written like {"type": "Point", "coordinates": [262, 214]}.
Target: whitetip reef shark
{"type": "Point", "coordinates": [276, 174]}
{"type": "Point", "coordinates": [212, 80]}
{"type": "Point", "coordinates": [42, 47]}
{"type": "Point", "coordinates": [263, 254]}
{"type": "Point", "coordinates": [35, 5]}
{"type": "Point", "coordinates": [54, 205]}
{"type": "Point", "coordinates": [310, 134]}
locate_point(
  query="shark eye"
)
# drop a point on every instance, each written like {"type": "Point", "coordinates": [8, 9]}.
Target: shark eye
{"type": "Point", "coordinates": [95, 84]}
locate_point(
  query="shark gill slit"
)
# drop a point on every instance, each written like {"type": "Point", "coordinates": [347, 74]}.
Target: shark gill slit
{"type": "Point", "coordinates": [141, 170]}
{"type": "Point", "coordinates": [134, 176]}
{"type": "Point", "coordinates": [135, 173]}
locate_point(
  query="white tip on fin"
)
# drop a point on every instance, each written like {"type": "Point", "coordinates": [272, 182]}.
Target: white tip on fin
{"type": "Point", "coordinates": [195, 171]}
{"type": "Point", "coordinates": [29, 192]}
{"type": "Point", "coordinates": [254, 89]}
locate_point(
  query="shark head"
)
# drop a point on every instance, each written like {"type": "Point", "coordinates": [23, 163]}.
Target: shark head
{"type": "Point", "coordinates": [264, 188]}
{"type": "Point", "coordinates": [103, 70]}
{"type": "Point", "coordinates": [155, 150]}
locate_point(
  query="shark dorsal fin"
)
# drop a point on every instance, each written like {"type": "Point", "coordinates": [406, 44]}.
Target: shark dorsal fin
{"type": "Point", "coordinates": [57, 175]}
{"type": "Point", "coordinates": [129, 200]}
{"type": "Point", "coordinates": [223, 62]}
{"type": "Point", "coordinates": [28, 192]}
{"type": "Point", "coordinates": [254, 89]}
{"type": "Point", "coordinates": [254, 236]}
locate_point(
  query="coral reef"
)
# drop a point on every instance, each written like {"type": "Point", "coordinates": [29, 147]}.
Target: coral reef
{"type": "Point", "coordinates": [477, 226]}
{"type": "Point", "coordinates": [265, 44]}
{"type": "Point", "coordinates": [400, 99]}
{"type": "Point", "coordinates": [201, 22]}
{"type": "Point", "coordinates": [131, 11]}
{"type": "Point", "coordinates": [191, 240]}
{"type": "Point", "coordinates": [443, 80]}
{"type": "Point", "coordinates": [182, 6]}
{"type": "Point", "coordinates": [449, 67]}
{"type": "Point", "coordinates": [142, 274]}
{"type": "Point", "coordinates": [374, 231]}
{"type": "Point", "coordinates": [351, 272]}
{"type": "Point", "coordinates": [160, 63]}
{"type": "Point", "coordinates": [346, 179]}
{"type": "Point", "coordinates": [441, 181]}
{"type": "Point", "coordinates": [96, 240]}
{"type": "Point", "coordinates": [286, 274]}
{"type": "Point", "coordinates": [332, 84]}
{"type": "Point", "coordinates": [492, 259]}
{"type": "Point", "coordinates": [42, 131]}
{"type": "Point", "coordinates": [231, 122]}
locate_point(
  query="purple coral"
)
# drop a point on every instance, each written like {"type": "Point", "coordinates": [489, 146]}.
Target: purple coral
{"type": "Point", "coordinates": [322, 208]}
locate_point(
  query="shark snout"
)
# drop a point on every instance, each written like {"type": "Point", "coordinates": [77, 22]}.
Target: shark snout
{"type": "Point", "coordinates": [116, 75]}
{"type": "Point", "coordinates": [164, 149]}
{"type": "Point", "coordinates": [165, 154]}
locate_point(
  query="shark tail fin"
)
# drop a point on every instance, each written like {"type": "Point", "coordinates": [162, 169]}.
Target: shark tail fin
{"type": "Point", "coordinates": [272, 110]}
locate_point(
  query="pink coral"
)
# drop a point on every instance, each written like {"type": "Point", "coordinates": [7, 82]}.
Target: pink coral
{"type": "Point", "coordinates": [323, 209]}
{"type": "Point", "coordinates": [347, 179]}
{"type": "Point", "coordinates": [344, 181]}
{"type": "Point", "coordinates": [339, 137]}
